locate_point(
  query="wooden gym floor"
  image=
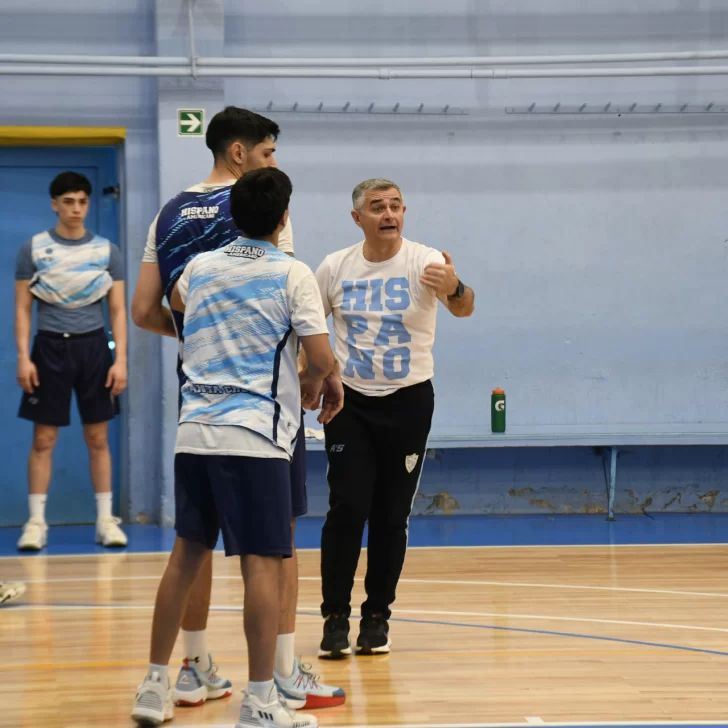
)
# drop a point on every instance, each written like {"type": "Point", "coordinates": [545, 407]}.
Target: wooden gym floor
{"type": "Point", "coordinates": [508, 635]}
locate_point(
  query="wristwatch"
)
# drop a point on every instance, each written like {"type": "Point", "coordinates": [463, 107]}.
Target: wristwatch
{"type": "Point", "coordinates": [459, 291]}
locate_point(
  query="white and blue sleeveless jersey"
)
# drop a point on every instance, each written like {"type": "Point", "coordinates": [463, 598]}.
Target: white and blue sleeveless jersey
{"type": "Point", "coordinates": [240, 349]}
{"type": "Point", "coordinates": [70, 276]}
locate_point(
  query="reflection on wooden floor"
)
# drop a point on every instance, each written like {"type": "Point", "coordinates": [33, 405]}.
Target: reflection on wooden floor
{"type": "Point", "coordinates": [480, 635]}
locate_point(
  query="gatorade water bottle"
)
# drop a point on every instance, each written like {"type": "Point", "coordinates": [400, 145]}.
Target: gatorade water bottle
{"type": "Point", "coordinates": [498, 410]}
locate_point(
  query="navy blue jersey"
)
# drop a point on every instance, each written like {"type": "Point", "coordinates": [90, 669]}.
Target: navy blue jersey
{"type": "Point", "coordinates": [195, 221]}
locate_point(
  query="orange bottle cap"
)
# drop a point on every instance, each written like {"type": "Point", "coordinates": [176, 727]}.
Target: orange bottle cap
{"type": "Point", "coordinates": [498, 390]}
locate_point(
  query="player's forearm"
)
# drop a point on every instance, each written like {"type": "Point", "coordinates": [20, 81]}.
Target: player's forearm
{"type": "Point", "coordinates": [147, 311]}
{"type": "Point", "coordinates": [463, 306]}
{"type": "Point", "coordinates": [158, 321]}
{"type": "Point", "coordinates": [165, 323]}
{"type": "Point", "coordinates": [23, 326]}
{"type": "Point", "coordinates": [117, 316]}
{"type": "Point", "coordinates": [336, 371]}
{"type": "Point", "coordinates": [319, 359]}
{"type": "Point", "coordinates": [319, 370]}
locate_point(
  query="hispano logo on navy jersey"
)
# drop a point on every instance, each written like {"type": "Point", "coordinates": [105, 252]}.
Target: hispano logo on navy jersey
{"type": "Point", "coordinates": [193, 222]}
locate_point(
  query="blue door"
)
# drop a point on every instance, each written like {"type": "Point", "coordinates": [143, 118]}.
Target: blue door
{"type": "Point", "coordinates": [25, 174]}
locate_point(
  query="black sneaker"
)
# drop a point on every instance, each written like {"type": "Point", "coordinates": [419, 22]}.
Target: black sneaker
{"type": "Point", "coordinates": [373, 637]}
{"type": "Point", "coordinates": [335, 643]}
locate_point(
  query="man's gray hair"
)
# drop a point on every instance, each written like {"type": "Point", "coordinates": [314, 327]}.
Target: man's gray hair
{"type": "Point", "coordinates": [360, 191]}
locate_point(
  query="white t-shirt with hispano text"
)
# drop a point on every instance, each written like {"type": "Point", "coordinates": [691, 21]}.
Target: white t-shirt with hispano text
{"type": "Point", "coordinates": [384, 318]}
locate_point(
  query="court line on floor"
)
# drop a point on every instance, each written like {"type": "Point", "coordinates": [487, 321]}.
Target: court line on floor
{"type": "Point", "coordinates": [497, 615]}
{"type": "Point", "coordinates": [220, 552]}
{"type": "Point", "coordinates": [431, 612]}
{"type": "Point", "coordinates": [554, 633]}
{"type": "Point", "coordinates": [466, 582]}
{"type": "Point", "coordinates": [579, 653]}
{"type": "Point", "coordinates": [542, 617]}
{"type": "Point", "coordinates": [315, 613]}
{"type": "Point", "coordinates": [456, 582]}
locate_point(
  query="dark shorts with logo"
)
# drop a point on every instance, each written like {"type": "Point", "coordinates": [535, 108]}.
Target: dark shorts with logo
{"type": "Point", "coordinates": [68, 363]}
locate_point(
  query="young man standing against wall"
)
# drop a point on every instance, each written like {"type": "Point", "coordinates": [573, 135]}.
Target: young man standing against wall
{"type": "Point", "coordinates": [383, 295]}
{"type": "Point", "coordinates": [69, 271]}
{"type": "Point", "coordinates": [246, 308]}
{"type": "Point", "coordinates": [198, 220]}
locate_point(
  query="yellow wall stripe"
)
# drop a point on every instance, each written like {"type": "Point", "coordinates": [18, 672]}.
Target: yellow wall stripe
{"type": "Point", "coordinates": [53, 136]}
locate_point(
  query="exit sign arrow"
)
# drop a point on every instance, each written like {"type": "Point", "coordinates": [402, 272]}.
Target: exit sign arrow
{"type": "Point", "coordinates": [192, 123]}
{"type": "Point", "coordinates": [189, 122]}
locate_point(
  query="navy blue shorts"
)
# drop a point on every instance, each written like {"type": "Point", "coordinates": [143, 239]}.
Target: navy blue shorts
{"type": "Point", "coordinates": [68, 363]}
{"type": "Point", "coordinates": [249, 499]}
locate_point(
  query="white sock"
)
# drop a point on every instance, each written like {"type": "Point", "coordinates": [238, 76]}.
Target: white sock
{"type": "Point", "coordinates": [196, 648]}
{"type": "Point", "coordinates": [163, 671]}
{"type": "Point", "coordinates": [103, 506]}
{"type": "Point", "coordinates": [285, 654]}
{"type": "Point", "coordinates": [36, 507]}
{"type": "Point", "coordinates": [262, 690]}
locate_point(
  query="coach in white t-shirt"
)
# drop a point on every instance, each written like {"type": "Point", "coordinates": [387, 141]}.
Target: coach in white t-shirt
{"type": "Point", "coordinates": [383, 295]}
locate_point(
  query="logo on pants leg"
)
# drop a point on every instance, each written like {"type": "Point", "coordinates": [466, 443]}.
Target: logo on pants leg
{"type": "Point", "coordinates": [410, 462]}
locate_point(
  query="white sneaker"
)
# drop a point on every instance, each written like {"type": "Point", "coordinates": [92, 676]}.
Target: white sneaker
{"type": "Point", "coordinates": [303, 689]}
{"type": "Point", "coordinates": [194, 686]}
{"type": "Point", "coordinates": [34, 536]}
{"type": "Point", "coordinates": [153, 704]}
{"type": "Point", "coordinates": [10, 591]}
{"type": "Point", "coordinates": [274, 714]}
{"type": "Point", "coordinates": [108, 532]}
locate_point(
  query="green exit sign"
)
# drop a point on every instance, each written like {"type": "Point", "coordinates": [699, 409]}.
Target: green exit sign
{"type": "Point", "coordinates": [190, 122]}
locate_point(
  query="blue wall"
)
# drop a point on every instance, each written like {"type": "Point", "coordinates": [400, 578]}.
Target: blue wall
{"type": "Point", "coordinates": [25, 210]}
{"type": "Point", "coordinates": [559, 480]}
{"type": "Point", "coordinates": [596, 245]}
{"type": "Point", "coordinates": [95, 27]}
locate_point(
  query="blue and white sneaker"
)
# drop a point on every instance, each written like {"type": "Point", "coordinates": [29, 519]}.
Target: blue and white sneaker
{"type": "Point", "coordinates": [194, 686]}
{"type": "Point", "coordinates": [303, 689]}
